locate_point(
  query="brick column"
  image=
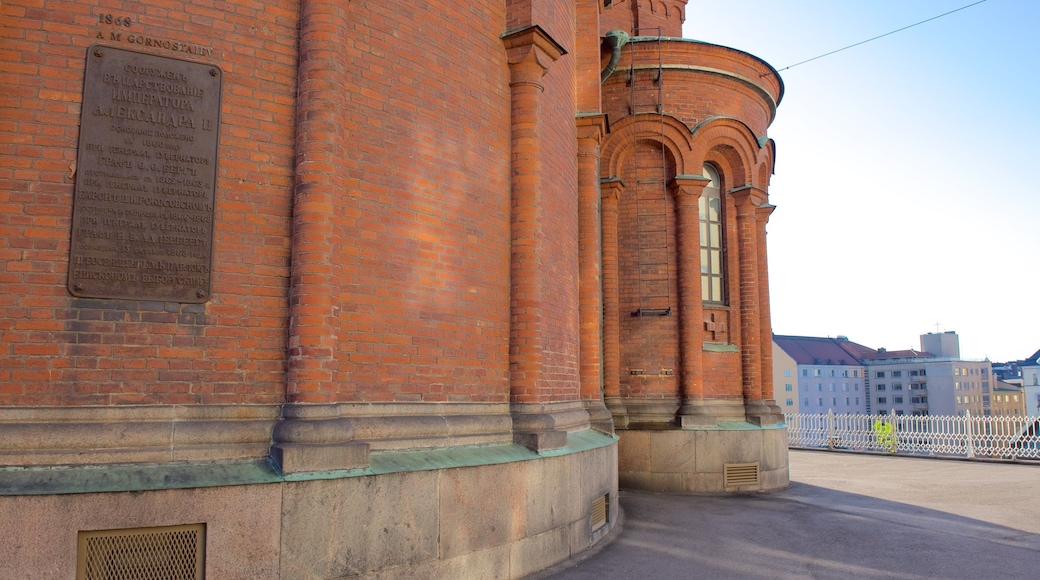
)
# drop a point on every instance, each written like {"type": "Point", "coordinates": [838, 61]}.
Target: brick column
{"type": "Point", "coordinates": [765, 410]}
{"type": "Point", "coordinates": [591, 129]}
{"type": "Point", "coordinates": [314, 310]}
{"type": "Point", "coordinates": [312, 435]}
{"type": "Point", "coordinates": [747, 200]}
{"type": "Point", "coordinates": [530, 51]}
{"type": "Point", "coordinates": [610, 195]}
{"type": "Point", "coordinates": [687, 190]}
{"type": "Point", "coordinates": [765, 326]}
{"type": "Point", "coordinates": [747, 252]}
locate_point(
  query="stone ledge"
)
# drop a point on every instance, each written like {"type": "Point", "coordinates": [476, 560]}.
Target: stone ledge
{"type": "Point", "coordinates": [51, 436]}
{"type": "Point", "coordinates": [135, 434]}
{"type": "Point", "coordinates": [154, 476]}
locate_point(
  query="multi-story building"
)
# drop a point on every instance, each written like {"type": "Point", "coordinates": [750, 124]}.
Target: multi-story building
{"type": "Point", "coordinates": [897, 380]}
{"type": "Point", "coordinates": [829, 373]}
{"type": "Point", "coordinates": [913, 382]}
{"type": "Point", "coordinates": [840, 375]}
{"type": "Point", "coordinates": [1007, 400]}
{"type": "Point", "coordinates": [1030, 370]}
{"type": "Point", "coordinates": [785, 377]}
{"type": "Point", "coordinates": [1009, 372]}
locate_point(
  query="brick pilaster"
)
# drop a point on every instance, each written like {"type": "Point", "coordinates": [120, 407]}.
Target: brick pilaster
{"type": "Point", "coordinates": [764, 410]}
{"type": "Point", "coordinates": [319, 161]}
{"type": "Point", "coordinates": [610, 195]}
{"type": "Point", "coordinates": [766, 329]}
{"type": "Point", "coordinates": [591, 129]}
{"type": "Point", "coordinates": [313, 437]}
{"type": "Point", "coordinates": [687, 190]}
{"type": "Point", "coordinates": [750, 240]}
{"type": "Point", "coordinates": [530, 52]}
{"type": "Point", "coordinates": [747, 250]}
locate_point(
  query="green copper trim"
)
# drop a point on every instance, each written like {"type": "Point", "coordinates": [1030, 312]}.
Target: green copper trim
{"type": "Point", "coordinates": [149, 477]}
{"type": "Point", "coordinates": [719, 347]}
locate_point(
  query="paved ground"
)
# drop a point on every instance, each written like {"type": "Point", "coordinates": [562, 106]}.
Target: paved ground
{"type": "Point", "coordinates": [844, 516]}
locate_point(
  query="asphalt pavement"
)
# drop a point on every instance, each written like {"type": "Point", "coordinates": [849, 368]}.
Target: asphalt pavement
{"type": "Point", "coordinates": [844, 516]}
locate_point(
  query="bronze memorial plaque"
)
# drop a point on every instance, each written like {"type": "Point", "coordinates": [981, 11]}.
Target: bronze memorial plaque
{"type": "Point", "coordinates": [142, 220]}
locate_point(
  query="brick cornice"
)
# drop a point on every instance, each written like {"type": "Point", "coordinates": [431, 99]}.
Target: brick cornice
{"type": "Point", "coordinates": [689, 185]}
{"type": "Point", "coordinates": [532, 44]}
{"type": "Point", "coordinates": [610, 188]}
{"type": "Point", "coordinates": [592, 126]}
{"type": "Point", "coordinates": [748, 194]}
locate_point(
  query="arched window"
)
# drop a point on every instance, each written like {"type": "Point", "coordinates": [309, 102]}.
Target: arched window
{"type": "Point", "coordinates": [712, 275]}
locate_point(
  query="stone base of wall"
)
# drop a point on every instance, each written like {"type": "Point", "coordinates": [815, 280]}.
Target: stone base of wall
{"type": "Point", "coordinates": [693, 460]}
{"type": "Point", "coordinates": [497, 511]}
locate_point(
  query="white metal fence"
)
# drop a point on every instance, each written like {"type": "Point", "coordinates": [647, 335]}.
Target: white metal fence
{"type": "Point", "coordinates": [960, 436]}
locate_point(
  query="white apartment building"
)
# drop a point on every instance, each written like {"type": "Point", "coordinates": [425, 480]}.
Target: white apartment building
{"type": "Point", "coordinates": [829, 376]}
{"type": "Point", "coordinates": [785, 377]}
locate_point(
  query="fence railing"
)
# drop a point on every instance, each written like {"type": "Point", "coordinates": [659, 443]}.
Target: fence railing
{"type": "Point", "coordinates": [958, 436]}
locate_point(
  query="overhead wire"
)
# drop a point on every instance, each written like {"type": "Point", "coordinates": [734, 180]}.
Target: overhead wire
{"type": "Point", "coordinates": [879, 36]}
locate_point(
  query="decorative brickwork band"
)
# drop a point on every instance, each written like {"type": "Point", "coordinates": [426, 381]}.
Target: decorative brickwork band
{"type": "Point", "coordinates": [687, 190]}
{"type": "Point", "coordinates": [591, 129]}
{"type": "Point", "coordinates": [610, 195]}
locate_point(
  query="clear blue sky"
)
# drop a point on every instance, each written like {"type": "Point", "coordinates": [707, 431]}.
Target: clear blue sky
{"type": "Point", "coordinates": [907, 175]}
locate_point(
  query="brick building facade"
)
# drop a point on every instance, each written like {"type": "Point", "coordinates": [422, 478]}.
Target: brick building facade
{"type": "Point", "coordinates": [684, 175]}
{"type": "Point", "coordinates": [354, 280]}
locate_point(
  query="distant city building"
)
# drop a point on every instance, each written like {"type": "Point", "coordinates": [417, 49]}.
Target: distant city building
{"type": "Point", "coordinates": [932, 381]}
{"type": "Point", "coordinates": [927, 385]}
{"type": "Point", "coordinates": [840, 375]}
{"type": "Point", "coordinates": [785, 377]}
{"type": "Point", "coordinates": [898, 381]}
{"type": "Point", "coordinates": [1009, 372]}
{"type": "Point", "coordinates": [829, 373]}
{"type": "Point", "coordinates": [1030, 370]}
{"type": "Point", "coordinates": [943, 345]}
{"type": "Point", "coordinates": [1008, 400]}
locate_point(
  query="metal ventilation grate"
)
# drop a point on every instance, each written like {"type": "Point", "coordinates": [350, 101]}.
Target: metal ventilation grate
{"type": "Point", "coordinates": [167, 553]}
{"type": "Point", "coordinates": [740, 474]}
{"type": "Point", "coordinates": [599, 512]}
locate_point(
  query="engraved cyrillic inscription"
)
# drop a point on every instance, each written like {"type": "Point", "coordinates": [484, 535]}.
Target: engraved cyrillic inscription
{"type": "Point", "coordinates": [147, 167]}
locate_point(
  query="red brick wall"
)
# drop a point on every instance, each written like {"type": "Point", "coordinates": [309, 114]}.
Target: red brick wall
{"type": "Point", "coordinates": [559, 214]}
{"type": "Point", "coordinates": [619, 16]}
{"type": "Point", "coordinates": [647, 15]}
{"type": "Point", "coordinates": [722, 375]}
{"type": "Point", "coordinates": [425, 254]}
{"type": "Point", "coordinates": [587, 56]}
{"type": "Point", "coordinates": [647, 276]}
{"type": "Point", "coordinates": [424, 217]}
{"type": "Point", "coordinates": [692, 99]}
{"type": "Point", "coordinates": [56, 350]}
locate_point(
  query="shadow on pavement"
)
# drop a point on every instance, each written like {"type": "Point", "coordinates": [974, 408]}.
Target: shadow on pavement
{"type": "Point", "coordinates": [804, 532]}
